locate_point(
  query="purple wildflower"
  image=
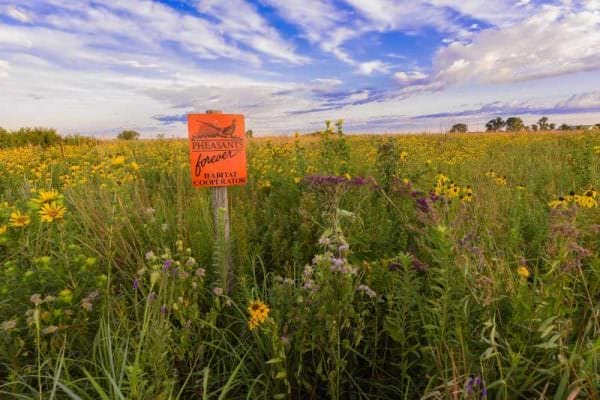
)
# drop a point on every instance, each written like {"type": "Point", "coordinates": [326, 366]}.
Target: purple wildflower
{"type": "Point", "coordinates": [418, 265]}
{"type": "Point", "coordinates": [422, 204]}
{"type": "Point", "coordinates": [394, 266]}
{"type": "Point", "coordinates": [167, 264]}
{"type": "Point", "coordinates": [469, 386]}
{"type": "Point", "coordinates": [136, 284]}
{"type": "Point", "coordinates": [163, 309]}
{"type": "Point", "coordinates": [200, 272]}
{"type": "Point", "coordinates": [337, 262]}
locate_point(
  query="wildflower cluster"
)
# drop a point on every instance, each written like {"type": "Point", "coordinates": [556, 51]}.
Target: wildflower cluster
{"type": "Point", "coordinates": [586, 199]}
{"type": "Point", "coordinates": [172, 281]}
{"type": "Point", "coordinates": [500, 180]}
{"type": "Point", "coordinates": [48, 205]}
{"type": "Point", "coordinates": [446, 187]}
{"type": "Point", "coordinates": [258, 312]}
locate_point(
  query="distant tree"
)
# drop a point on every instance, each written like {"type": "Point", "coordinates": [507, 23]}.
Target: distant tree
{"type": "Point", "coordinates": [514, 124]}
{"type": "Point", "coordinates": [37, 136]}
{"type": "Point", "coordinates": [77, 139]}
{"type": "Point", "coordinates": [328, 126]}
{"type": "Point", "coordinates": [552, 127]}
{"type": "Point", "coordinates": [534, 127]}
{"type": "Point", "coordinates": [249, 133]}
{"type": "Point", "coordinates": [564, 127]}
{"type": "Point", "coordinates": [459, 128]}
{"type": "Point", "coordinates": [597, 126]}
{"type": "Point", "coordinates": [495, 124]}
{"type": "Point", "coordinates": [339, 126]}
{"type": "Point", "coordinates": [4, 138]}
{"type": "Point", "coordinates": [160, 136]}
{"type": "Point", "coordinates": [128, 135]}
{"type": "Point", "coordinates": [543, 124]}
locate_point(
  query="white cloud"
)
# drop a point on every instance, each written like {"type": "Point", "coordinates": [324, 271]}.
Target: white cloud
{"type": "Point", "coordinates": [385, 15]}
{"type": "Point", "coordinates": [315, 17]}
{"type": "Point", "coordinates": [319, 20]}
{"type": "Point", "coordinates": [367, 68]}
{"type": "Point", "coordinates": [3, 69]}
{"type": "Point", "coordinates": [17, 14]}
{"type": "Point", "coordinates": [241, 21]}
{"type": "Point", "coordinates": [411, 77]}
{"type": "Point", "coordinates": [496, 12]}
{"type": "Point", "coordinates": [142, 25]}
{"type": "Point", "coordinates": [582, 100]}
{"type": "Point", "coordinates": [555, 41]}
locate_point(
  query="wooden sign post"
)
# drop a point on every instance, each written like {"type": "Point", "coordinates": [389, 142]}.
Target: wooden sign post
{"type": "Point", "coordinates": [218, 160]}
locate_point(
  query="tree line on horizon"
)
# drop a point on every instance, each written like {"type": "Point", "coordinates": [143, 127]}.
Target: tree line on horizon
{"type": "Point", "coordinates": [45, 137]}
{"type": "Point", "coordinates": [516, 124]}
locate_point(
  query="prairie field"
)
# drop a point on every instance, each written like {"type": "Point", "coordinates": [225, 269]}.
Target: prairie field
{"type": "Point", "coordinates": [462, 266]}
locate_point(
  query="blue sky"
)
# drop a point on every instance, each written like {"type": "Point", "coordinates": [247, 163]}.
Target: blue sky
{"type": "Point", "coordinates": [97, 67]}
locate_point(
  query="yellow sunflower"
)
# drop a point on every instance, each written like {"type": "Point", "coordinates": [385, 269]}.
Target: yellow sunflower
{"type": "Point", "coordinates": [561, 202]}
{"type": "Point", "coordinates": [18, 220]}
{"type": "Point", "coordinates": [51, 212]}
{"type": "Point", "coordinates": [47, 196]}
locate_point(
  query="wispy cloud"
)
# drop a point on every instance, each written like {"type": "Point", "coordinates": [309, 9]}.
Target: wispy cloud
{"type": "Point", "coordinates": [579, 103]}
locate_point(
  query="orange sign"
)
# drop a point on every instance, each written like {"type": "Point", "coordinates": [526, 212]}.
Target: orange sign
{"type": "Point", "coordinates": [217, 149]}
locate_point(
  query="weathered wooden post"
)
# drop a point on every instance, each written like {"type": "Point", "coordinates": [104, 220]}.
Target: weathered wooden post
{"type": "Point", "coordinates": [218, 160]}
{"type": "Point", "coordinates": [220, 204]}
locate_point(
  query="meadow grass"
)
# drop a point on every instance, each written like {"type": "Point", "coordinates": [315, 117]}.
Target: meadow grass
{"type": "Point", "coordinates": [365, 267]}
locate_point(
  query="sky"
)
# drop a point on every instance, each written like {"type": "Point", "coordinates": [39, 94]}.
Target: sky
{"type": "Point", "coordinates": [97, 67]}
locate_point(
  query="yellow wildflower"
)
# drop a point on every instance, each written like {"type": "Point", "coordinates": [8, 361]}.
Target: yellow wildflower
{"type": "Point", "coordinates": [18, 220]}
{"type": "Point", "coordinates": [66, 295]}
{"type": "Point", "coordinates": [47, 196]}
{"type": "Point", "coordinates": [258, 312]}
{"type": "Point", "coordinates": [523, 272]}
{"type": "Point", "coordinates": [501, 181]}
{"type": "Point", "coordinates": [561, 202]}
{"type": "Point", "coordinates": [51, 212]}
{"type": "Point", "coordinates": [118, 160]}
{"type": "Point", "coordinates": [3, 229]}
{"type": "Point", "coordinates": [586, 201]}
{"type": "Point", "coordinates": [467, 195]}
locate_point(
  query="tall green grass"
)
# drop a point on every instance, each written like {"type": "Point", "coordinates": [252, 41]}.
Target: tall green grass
{"type": "Point", "coordinates": [372, 294]}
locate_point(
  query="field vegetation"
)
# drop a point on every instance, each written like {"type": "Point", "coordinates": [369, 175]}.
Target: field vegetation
{"type": "Point", "coordinates": [461, 266]}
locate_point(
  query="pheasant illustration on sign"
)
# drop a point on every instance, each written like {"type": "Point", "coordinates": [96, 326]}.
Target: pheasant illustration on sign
{"type": "Point", "coordinates": [217, 149]}
{"type": "Point", "coordinates": [215, 131]}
